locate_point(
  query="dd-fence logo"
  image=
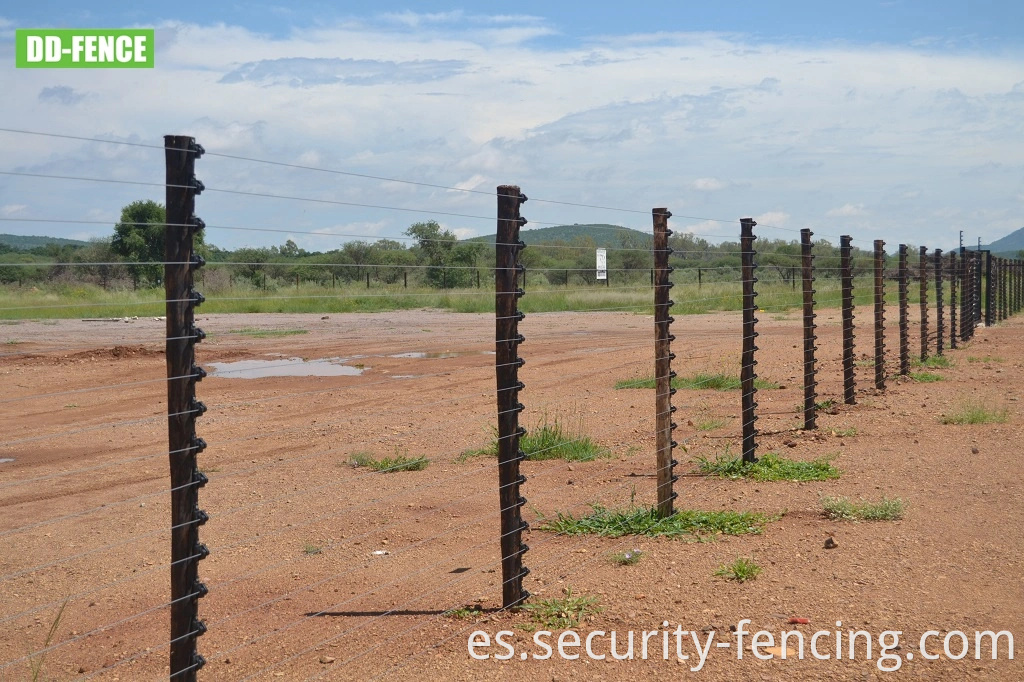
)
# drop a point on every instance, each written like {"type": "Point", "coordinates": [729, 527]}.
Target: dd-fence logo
{"type": "Point", "coordinates": [85, 48]}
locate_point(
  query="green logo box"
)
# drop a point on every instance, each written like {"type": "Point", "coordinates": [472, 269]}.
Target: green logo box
{"type": "Point", "coordinates": [84, 48]}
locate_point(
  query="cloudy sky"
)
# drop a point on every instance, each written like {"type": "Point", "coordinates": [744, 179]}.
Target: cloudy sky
{"type": "Point", "coordinates": [897, 120]}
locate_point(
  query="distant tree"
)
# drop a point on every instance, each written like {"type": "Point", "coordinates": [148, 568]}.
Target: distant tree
{"type": "Point", "coordinates": [450, 263]}
{"type": "Point", "coordinates": [139, 238]}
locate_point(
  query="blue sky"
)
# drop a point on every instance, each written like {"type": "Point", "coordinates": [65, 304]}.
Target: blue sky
{"type": "Point", "coordinates": [894, 120]}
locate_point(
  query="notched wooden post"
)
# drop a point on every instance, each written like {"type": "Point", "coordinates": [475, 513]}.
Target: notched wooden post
{"type": "Point", "coordinates": [180, 260]}
{"type": "Point", "coordinates": [663, 357]}
{"type": "Point", "coordinates": [507, 272]}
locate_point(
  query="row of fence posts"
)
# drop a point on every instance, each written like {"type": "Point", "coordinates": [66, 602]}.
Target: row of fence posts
{"type": "Point", "coordinates": [1003, 281]}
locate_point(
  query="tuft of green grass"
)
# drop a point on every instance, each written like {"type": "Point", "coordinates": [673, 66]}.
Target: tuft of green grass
{"type": "Point", "coordinates": [925, 377]}
{"type": "Point", "coordinates": [550, 440]}
{"type": "Point", "coordinates": [311, 549]}
{"type": "Point", "coordinates": [389, 464]}
{"type": "Point", "coordinates": [562, 614]}
{"type": "Point", "coordinates": [846, 433]}
{"type": "Point", "coordinates": [267, 333]}
{"type": "Point", "coordinates": [627, 558]}
{"type": "Point", "coordinates": [709, 424]}
{"type": "Point", "coordinates": [615, 523]}
{"type": "Point", "coordinates": [770, 467]}
{"type": "Point", "coordinates": [700, 381]}
{"type": "Point", "coordinates": [972, 412]}
{"type": "Point", "coordinates": [843, 509]}
{"type": "Point", "coordinates": [933, 362]}
{"type": "Point", "coordinates": [464, 612]}
{"type": "Point", "coordinates": [987, 358]}
{"type": "Point", "coordinates": [826, 404]}
{"type": "Point", "coordinates": [741, 570]}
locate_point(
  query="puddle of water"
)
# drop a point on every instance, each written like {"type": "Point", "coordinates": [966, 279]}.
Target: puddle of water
{"type": "Point", "coordinates": [284, 367]}
{"type": "Point", "coordinates": [441, 355]}
{"type": "Point", "coordinates": [5, 460]}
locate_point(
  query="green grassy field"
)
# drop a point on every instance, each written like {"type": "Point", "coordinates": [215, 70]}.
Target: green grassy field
{"type": "Point", "coordinates": [84, 301]}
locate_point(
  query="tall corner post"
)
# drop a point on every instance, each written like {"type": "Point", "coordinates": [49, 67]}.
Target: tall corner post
{"type": "Point", "coordinates": [807, 280]}
{"type": "Point", "coordinates": [846, 294]}
{"type": "Point", "coordinates": [747, 361]}
{"type": "Point", "coordinates": [507, 362]}
{"type": "Point", "coordinates": [180, 261]}
{"type": "Point", "coordinates": [663, 357]}
{"type": "Point", "coordinates": [903, 278]}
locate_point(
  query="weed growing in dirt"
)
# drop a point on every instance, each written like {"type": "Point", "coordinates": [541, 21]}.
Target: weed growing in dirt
{"type": "Point", "coordinates": [987, 358]}
{"type": "Point", "coordinates": [925, 377]}
{"type": "Point", "coordinates": [627, 558]}
{"type": "Point", "coordinates": [561, 614]}
{"type": "Point", "coordinates": [464, 612]}
{"type": "Point", "coordinates": [826, 404]}
{"type": "Point", "coordinates": [972, 412]}
{"type": "Point", "coordinates": [37, 661]}
{"type": "Point", "coordinates": [311, 549]}
{"type": "Point", "coordinates": [843, 509]}
{"type": "Point", "coordinates": [770, 467]}
{"type": "Point", "coordinates": [709, 424]}
{"type": "Point", "coordinates": [933, 362]}
{"type": "Point", "coordinates": [845, 433]}
{"type": "Point", "coordinates": [614, 523]}
{"type": "Point", "coordinates": [267, 333]}
{"type": "Point", "coordinates": [550, 440]}
{"type": "Point", "coordinates": [389, 464]}
{"type": "Point", "coordinates": [715, 382]}
{"type": "Point", "coordinates": [741, 570]}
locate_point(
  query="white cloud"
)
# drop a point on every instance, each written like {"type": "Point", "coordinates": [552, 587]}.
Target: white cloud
{"type": "Point", "coordinates": [9, 210]}
{"type": "Point", "coordinates": [709, 184]}
{"type": "Point", "coordinates": [846, 210]}
{"type": "Point", "coordinates": [623, 121]}
{"type": "Point", "coordinates": [772, 219]}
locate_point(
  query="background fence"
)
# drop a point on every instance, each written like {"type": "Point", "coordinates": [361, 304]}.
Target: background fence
{"type": "Point", "coordinates": [317, 520]}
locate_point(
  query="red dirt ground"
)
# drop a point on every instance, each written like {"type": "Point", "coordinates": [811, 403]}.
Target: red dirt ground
{"type": "Point", "coordinates": [85, 508]}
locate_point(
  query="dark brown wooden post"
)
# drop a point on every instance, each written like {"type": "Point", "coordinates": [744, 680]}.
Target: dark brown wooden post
{"type": "Point", "coordinates": [846, 275]}
{"type": "Point", "coordinates": [1003, 288]}
{"type": "Point", "coordinates": [990, 291]}
{"type": "Point", "coordinates": [180, 261]}
{"type": "Point", "coordinates": [904, 282]}
{"type": "Point", "coordinates": [507, 363]}
{"type": "Point", "coordinates": [954, 276]}
{"type": "Point", "coordinates": [940, 321]}
{"type": "Point", "coordinates": [747, 375]}
{"type": "Point", "coordinates": [879, 266]}
{"type": "Point", "coordinates": [663, 356]}
{"type": "Point", "coordinates": [922, 265]}
{"type": "Point", "coordinates": [966, 301]}
{"type": "Point", "coordinates": [807, 277]}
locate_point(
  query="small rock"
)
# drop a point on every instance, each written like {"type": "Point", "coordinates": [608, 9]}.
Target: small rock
{"type": "Point", "coordinates": [327, 659]}
{"type": "Point", "coordinates": [975, 451]}
{"type": "Point", "coordinates": [326, 317]}
{"type": "Point", "coordinates": [830, 543]}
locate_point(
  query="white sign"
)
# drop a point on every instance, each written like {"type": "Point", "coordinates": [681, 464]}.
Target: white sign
{"type": "Point", "coordinates": [602, 264]}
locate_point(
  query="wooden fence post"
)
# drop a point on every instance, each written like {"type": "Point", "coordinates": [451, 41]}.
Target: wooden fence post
{"type": "Point", "coordinates": [507, 363]}
{"type": "Point", "coordinates": [747, 361]}
{"type": "Point", "coordinates": [663, 357]}
{"type": "Point", "coordinates": [180, 260]}
{"type": "Point", "coordinates": [807, 277]}
{"type": "Point", "coordinates": [846, 275]}
{"type": "Point", "coordinates": [904, 281]}
{"type": "Point", "coordinates": [879, 271]}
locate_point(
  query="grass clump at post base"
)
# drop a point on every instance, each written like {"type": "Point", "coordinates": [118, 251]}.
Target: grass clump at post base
{"type": "Point", "coordinates": [770, 467]}
{"type": "Point", "coordinates": [711, 382]}
{"type": "Point", "coordinates": [615, 523]}
{"type": "Point", "coordinates": [550, 440]}
{"type": "Point", "coordinates": [844, 509]}
{"type": "Point", "coordinates": [976, 413]}
{"type": "Point", "coordinates": [389, 464]}
{"type": "Point", "coordinates": [925, 377]}
{"type": "Point", "coordinates": [740, 570]}
{"type": "Point", "coordinates": [933, 362]}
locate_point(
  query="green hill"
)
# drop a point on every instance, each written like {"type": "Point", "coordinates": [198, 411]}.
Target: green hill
{"type": "Point", "coordinates": [604, 235]}
{"type": "Point", "coordinates": [1008, 245]}
{"type": "Point", "coordinates": [27, 242]}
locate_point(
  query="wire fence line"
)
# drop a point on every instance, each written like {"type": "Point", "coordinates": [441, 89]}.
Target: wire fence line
{"type": "Point", "coordinates": [279, 482]}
